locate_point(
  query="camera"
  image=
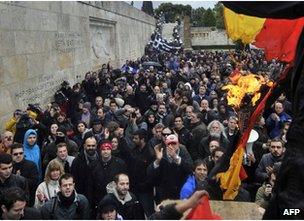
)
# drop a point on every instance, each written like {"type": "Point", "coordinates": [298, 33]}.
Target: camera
{"type": "Point", "coordinates": [133, 115]}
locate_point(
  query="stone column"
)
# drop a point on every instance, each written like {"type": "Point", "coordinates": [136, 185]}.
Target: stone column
{"type": "Point", "coordinates": [187, 33]}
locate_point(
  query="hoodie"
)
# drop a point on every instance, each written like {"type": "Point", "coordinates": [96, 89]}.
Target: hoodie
{"type": "Point", "coordinates": [111, 189]}
{"type": "Point", "coordinates": [32, 153]}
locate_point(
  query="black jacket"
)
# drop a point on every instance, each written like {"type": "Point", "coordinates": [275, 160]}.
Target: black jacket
{"type": "Point", "coordinates": [83, 174]}
{"type": "Point", "coordinates": [104, 173]}
{"type": "Point", "coordinates": [49, 152]}
{"type": "Point", "coordinates": [170, 177]}
{"type": "Point", "coordinates": [29, 171]}
{"type": "Point", "coordinates": [14, 181]}
{"type": "Point", "coordinates": [138, 162]}
{"type": "Point", "coordinates": [131, 210]}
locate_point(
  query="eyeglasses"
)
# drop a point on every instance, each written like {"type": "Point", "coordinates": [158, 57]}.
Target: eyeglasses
{"type": "Point", "coordinates": [16, 154]}
{"type": "Point", "coordinates": [165, 134]}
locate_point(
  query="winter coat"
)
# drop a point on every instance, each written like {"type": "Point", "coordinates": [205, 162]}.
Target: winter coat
{"type": "Point", "coordinates": [104, 173]}
{"type": "Point", "coordinates": [83, 174]}
{"type": "Point", "coordinates": [274, 127]}
{"type": "Point", "coordinates": [198, 131]}
{"type": "Point", "coordinates": [49, 190]}
{"type": "Point", "coordinates": [14, 181]}
{"type": "Point", "coordinates": [129, 208]}
{"type": "Point", "coordinates": [49, 152]}
{"type": "Point", "coordinates": [10, 125]}
{"type": "Point", "coordinates": [78, 210]}
{"type": "Point", "coordinates": [138, 161]}
{"type": "Point", "coordinates": [169, 177]}
{"type": "Point", "coordinates": [188, 188]}
{"type": "Point", "coordinates": [29, 171]}
{"type": "Point", "coordinates": [67, 164]}
{"type": "Point", "coordinates": [261, 199]}
{"type": "Point", "coordinates": [267, 160]}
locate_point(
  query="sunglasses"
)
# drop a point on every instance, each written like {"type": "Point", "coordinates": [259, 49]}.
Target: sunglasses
{"type": "Point", "coordinates": [172, 143]}
{"type": "Point", "coordinates": [16, 154]}
{"type": "Point", "coordinates": [165, 134]}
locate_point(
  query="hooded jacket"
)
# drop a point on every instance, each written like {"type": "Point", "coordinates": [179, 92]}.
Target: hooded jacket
{"type": "Point", "coordinates": [32, 153]}
{"type": "Point", "coordinates": [129, 207]}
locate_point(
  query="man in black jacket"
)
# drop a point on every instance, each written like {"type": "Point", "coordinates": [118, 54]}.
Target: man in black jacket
{"type": "Point", "coordinates": [128, 205]}
{"type": "Point", "coordinates": [83, 166]}
{"type": "Point", "coordinates": [105, 171]}
{"type": "Point", "coordinates": [7, 179]}
{"type": "Point", "coordinates": [171, 168]}
{"type": "Point", "coordinates": [25, 168]}
{"type": "Point", "coordinates": [138, 160]}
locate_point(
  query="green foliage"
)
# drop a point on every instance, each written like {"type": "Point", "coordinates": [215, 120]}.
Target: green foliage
{"type": "Point", "coordinates": [147, 7]}
{"type": "Point", "coordinates": [197, 19]}
{"type": "Point", "coordinates": [219, 15]}
{"type": "Point", "coordinates": [172, 11]}
{"type": "Point", "coordinates": [209, 18]}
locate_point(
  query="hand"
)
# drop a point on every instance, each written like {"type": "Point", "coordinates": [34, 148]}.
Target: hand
{"type": "Point", "coordinates": [106, 133]}
{"type": "Point", "coordinates": [192, 202]}
{"type": "Point", "coordinates": [196, 198]}
{"type": "Point", "coordinates": [275, 117]}
{"type": "Point", "coordinates": [269, 170]}
{"type": "Point", "coordinates": [268, 189]}
{"type": "Point", "coordinates": [41, 196]}
{"type": "Point", "coordinates": [18, 173]}
{"type": "Point", "coordinates": [158, 153]}
{"type": "Point", "coordinates": [251, 157]}
{"type": "Point", "coordinates": [171, 152]}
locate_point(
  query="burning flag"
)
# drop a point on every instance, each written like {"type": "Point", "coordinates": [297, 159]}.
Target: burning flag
{"type": "Point", "coordinates": [243, 95]}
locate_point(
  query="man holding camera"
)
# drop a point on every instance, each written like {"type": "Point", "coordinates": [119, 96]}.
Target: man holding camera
{"type": "Point", "coordinates": [263, 194]}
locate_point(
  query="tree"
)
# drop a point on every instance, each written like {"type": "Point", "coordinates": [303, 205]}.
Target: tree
{"type": "Point", "coordinates": [219, 15]}
{"type": "Point", "coordinates": [172, 11]}
{"type": "Point", "coordinates": [197, 17]}
{"type": "Point", "coordinates": [209, 18]}
{"type": "Point", "coordinates": [147, 7]}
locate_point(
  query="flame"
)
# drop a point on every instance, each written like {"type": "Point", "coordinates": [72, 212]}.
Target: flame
{"type": "Point", "coordinates": [245, 85]}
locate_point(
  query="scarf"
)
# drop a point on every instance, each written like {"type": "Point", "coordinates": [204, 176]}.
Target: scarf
{"type": "Point", "coordinates": [66, 201]}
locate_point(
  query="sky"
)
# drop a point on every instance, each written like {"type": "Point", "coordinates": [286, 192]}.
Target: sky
{"type": "Point", "coordinates": [194, 4]}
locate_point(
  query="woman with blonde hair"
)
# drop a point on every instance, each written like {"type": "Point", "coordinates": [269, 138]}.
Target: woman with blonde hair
{"type": "Point", "coordinates": [50, 186]}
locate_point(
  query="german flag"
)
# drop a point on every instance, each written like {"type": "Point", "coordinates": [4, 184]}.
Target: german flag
{"type": "Point", "coordinates": [277, 28]}
{"type": "Point", "coordinates": [278, 37]}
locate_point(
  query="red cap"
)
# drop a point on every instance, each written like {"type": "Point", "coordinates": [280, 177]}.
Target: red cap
{"type": "Point", "coordinates": [106, 146]}
{"type": "Point", "coordinates": [172, 139]}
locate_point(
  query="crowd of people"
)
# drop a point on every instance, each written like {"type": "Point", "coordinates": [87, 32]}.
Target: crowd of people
{"type": "Point", "coordinates": [123, 140]}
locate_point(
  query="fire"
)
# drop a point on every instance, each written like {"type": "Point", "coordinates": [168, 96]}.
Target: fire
{"type": "Point", "coordinates": [246, 85]}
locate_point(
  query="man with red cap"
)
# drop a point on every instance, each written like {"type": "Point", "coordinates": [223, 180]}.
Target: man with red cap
{"type": "Point", "coordinates": [105, 171]}
{"type": "Point", "coordinates": [171, 168]}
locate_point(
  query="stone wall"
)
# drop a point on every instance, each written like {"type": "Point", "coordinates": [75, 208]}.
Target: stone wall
{"type": "Point", "coordinates": [203, 36]}
{"type": "Point", "coordinates": [44, 43]}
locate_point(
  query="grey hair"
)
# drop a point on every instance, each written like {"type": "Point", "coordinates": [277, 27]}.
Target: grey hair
{"type": "Point", "coordinates": [222, 128]}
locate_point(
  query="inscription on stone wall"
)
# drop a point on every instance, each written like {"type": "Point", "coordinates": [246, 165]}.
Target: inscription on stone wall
{"type": "Point", "coordinates": [40, 92]}
{"type": "Point", "coordinates": [68, 41]}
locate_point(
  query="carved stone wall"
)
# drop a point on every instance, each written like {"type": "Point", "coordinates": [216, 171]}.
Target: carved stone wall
{"type": "Point", "coordinates": [44, 43]}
